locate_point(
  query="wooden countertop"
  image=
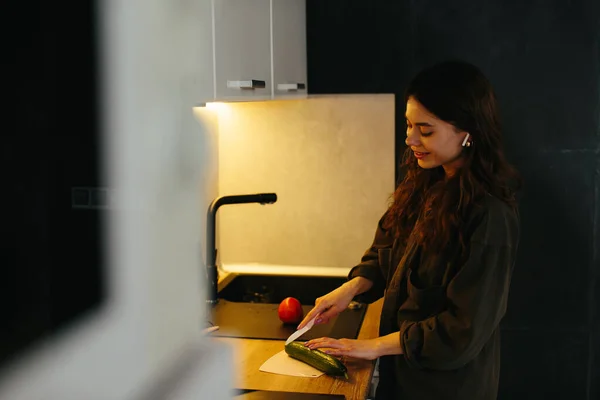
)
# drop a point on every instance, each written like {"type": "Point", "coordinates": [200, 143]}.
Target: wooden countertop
{"type": "Point", "coordinates": [251, 353]}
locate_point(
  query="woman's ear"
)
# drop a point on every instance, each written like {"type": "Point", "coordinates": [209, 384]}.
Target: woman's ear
{"type": "Point", "coordinates": [466, 141]}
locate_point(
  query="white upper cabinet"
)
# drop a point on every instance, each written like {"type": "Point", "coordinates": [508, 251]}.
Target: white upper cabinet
{"type": "Point", "coordinates": [242, 38]}
{"type": "Point", "coordinates": [289, 48]}
{"type": "Point", "coordinates": [259, 49]}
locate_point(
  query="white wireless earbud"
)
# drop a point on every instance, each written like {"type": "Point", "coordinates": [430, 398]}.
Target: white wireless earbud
{"type": "Point", "coordinates": [464, 143]}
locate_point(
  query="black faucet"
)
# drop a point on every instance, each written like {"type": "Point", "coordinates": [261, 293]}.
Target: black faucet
{"type": "Point", "coordinates": [211, 248]}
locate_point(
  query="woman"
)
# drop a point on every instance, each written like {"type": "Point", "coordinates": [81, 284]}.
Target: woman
{"type": "Point", "coordinates": [443, 252]}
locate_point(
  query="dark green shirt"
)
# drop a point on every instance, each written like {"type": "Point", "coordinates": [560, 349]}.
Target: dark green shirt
{"type": "Point", "coordinates": [447, 309]}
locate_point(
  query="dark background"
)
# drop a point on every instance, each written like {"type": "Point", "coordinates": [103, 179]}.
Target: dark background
{"type": "Point", "coordinates": [543, 58]}
{"type": "Point", "coordinates": [50, 253]}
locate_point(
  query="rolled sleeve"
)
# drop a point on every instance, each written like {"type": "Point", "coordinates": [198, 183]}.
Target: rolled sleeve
{"type": "Point", "coordinates": [374, 275]}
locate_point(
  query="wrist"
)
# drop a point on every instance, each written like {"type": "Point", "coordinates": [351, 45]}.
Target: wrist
{"type": "Point", "coordinates": [388, 345]}
{"type": "Point", "coordinates": [358, 285]}
{"type": "Point", "coordinates": [378, 348]}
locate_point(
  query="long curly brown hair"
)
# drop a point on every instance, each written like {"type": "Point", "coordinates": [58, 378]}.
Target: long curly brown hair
{"type": "Point", "coordinates": [427, 204]}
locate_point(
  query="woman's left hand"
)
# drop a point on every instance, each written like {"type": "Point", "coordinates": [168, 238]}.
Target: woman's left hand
{"type": "Point", "coordinates": [366, 349]}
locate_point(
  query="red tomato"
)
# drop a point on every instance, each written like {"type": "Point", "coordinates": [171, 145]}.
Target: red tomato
{"type": "Point", "coordinates": [290, 311]}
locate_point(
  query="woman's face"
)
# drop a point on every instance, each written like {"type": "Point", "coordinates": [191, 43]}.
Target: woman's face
{"type": "Point", "coordinates": [434, 142]}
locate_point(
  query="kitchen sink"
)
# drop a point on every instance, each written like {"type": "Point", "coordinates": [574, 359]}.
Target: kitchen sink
{"type": "Point", "coordinates": [247, 307]}
{"type": "Point", "coordinates": [275, 288]}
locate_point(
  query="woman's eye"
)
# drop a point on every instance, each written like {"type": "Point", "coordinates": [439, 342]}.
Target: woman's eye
{"type": "Point", "coordinates": [425, 134]}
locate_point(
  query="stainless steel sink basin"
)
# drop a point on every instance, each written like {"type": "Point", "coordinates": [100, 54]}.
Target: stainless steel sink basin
{"type": "Point", "coordinates": [275, 288]}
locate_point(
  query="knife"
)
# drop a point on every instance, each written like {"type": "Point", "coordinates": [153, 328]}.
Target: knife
{"type": "Point", "coordinates": [300, 332]}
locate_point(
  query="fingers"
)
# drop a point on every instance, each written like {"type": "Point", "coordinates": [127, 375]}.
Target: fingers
{"type": "Point", "coordinates": [321, 342]}
{"type": "Point", "coordinates": [311, 314]}
{"type": "Point", "coordinates": [330, 346]}
{"type": "Point", "coordinates": [325, 342]}
{"type": "Point", "coordinates": [344, 347]}
{"type": "Point", "coordinates": [321, 320]}
{"type": "Point", "coordinates": [316, 310]}
{"type": "Point", "coordinates": [336, 352]}
{"type": "Point", "coordinates": [323, 314]}
{"type": "Point", "coordinates": [327, 314]}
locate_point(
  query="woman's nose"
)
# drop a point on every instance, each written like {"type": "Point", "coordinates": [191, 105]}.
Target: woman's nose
{"type": "Point", "coordinates": [412, 139]}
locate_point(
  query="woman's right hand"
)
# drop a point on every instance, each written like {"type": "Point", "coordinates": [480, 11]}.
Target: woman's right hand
{"type": "Point", "coordinates": [336, 301]}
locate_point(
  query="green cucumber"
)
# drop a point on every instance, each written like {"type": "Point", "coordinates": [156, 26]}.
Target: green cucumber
{"type": "Point", "coordinates": [316, 358]}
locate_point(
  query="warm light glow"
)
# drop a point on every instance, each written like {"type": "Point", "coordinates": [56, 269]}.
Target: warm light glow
{"type": "Point", "coordinates": [218, 109]}
{"type": "Point", "coordinates": [217, 106]}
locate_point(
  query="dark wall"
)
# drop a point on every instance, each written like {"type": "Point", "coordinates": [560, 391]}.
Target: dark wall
{"type": "Point", "coordinates": [543, 58]}
{"type": "Point", "coordinates": [50, 254]}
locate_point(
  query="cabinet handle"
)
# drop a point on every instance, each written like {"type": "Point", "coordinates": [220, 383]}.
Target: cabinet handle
{"type": "Point", "coordinates": [247, 85]}
{"type": "Point", "coordinates": [290, 87]}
